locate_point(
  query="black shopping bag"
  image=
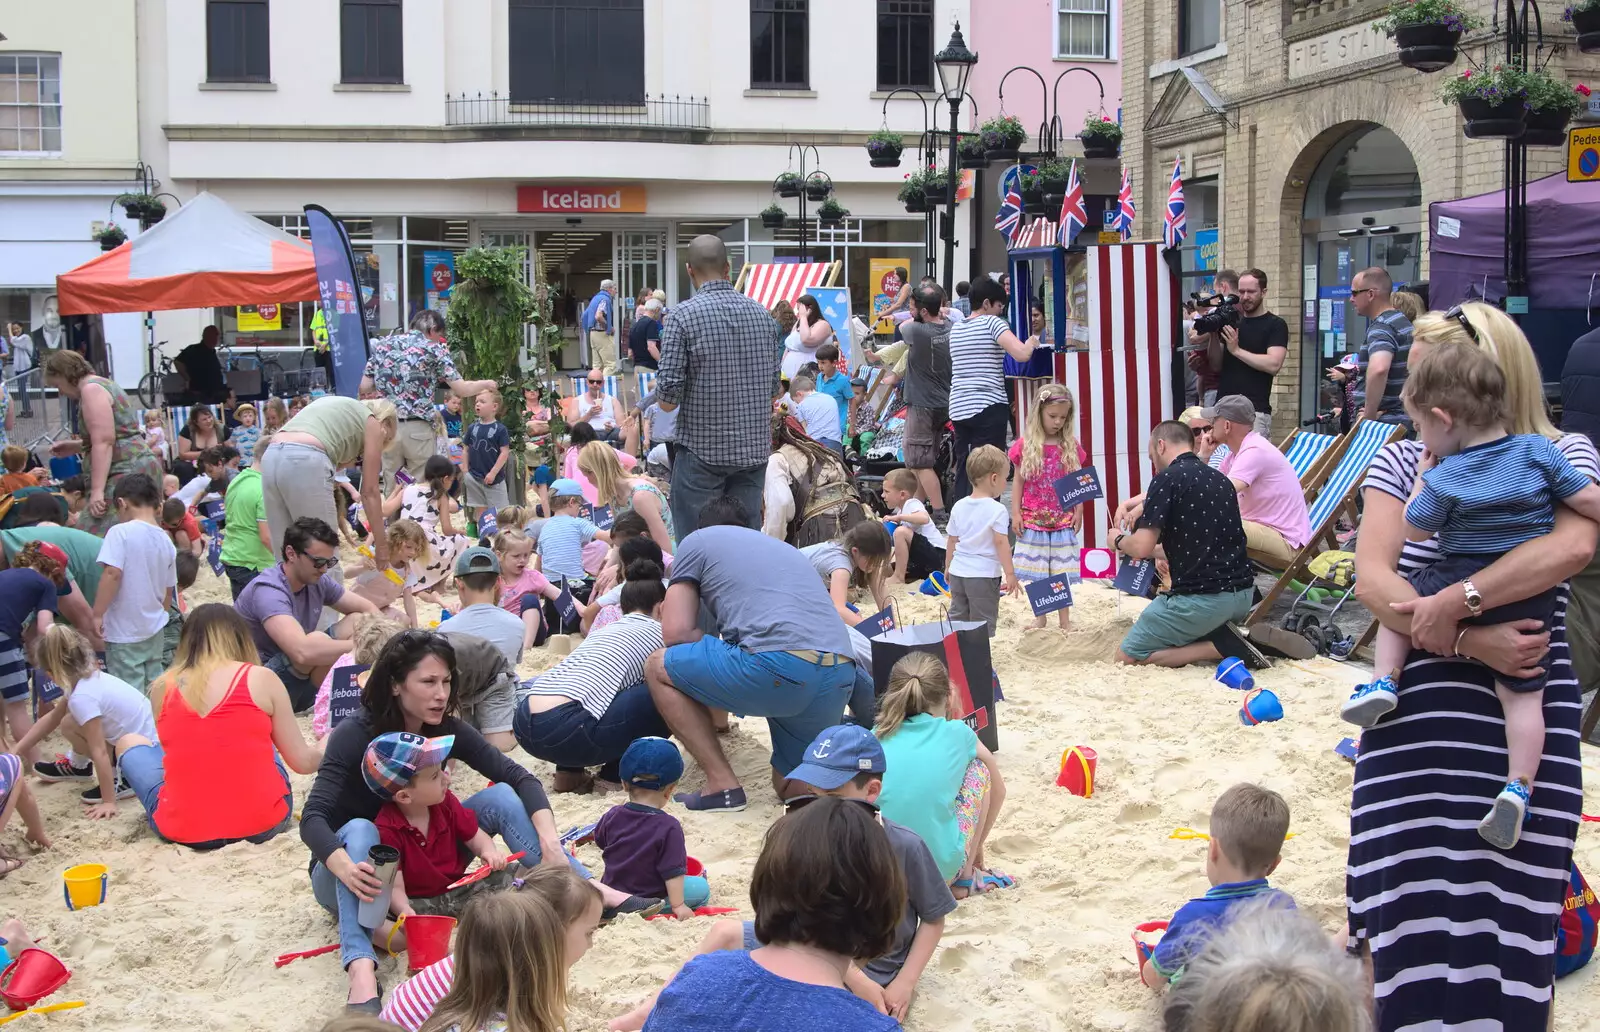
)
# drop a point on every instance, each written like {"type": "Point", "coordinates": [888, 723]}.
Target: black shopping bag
{"type": "Point", "coordinates": [963, 647]}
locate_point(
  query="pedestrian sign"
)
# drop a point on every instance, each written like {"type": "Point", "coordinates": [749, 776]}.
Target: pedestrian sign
{"type": "Point", "coordinates": [1583, 155]}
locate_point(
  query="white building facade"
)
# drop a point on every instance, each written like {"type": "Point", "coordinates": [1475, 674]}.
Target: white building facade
{"type": "Point", "coordinates": [601, 134]}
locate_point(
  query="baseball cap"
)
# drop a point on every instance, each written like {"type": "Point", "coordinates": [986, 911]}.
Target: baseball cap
{"type": "Point", "coordinates": [393, 759]}
{"type": "Point", "coordinates": [1351, 361]}
{"type": "Point", "coordinates": [50, 551]}
{"type": "Point", "coordinates": [566, 488]}
{"type": "Point", "coordinates": [477, 560]}
{"type": "Point", "coordinates": [651, 763]}
{"type": "Point", "coordinates": [839, 754]}
{"type": "Point", "coordinates": [1236, 408]}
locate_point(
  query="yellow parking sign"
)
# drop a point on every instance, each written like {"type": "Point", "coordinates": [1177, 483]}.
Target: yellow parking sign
{"type": "Point", "coordinates": [1583, 155]}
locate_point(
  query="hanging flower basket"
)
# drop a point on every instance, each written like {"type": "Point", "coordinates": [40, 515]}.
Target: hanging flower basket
{"type": "Point", "coordinates": [1032, 194]}
{"type": "Point", "coordinates": [1493, 102]}
{"type": "Point", "coordinates": [1585, 18]}
{"type": "Point", "coordinates": [111, 237]}
{"type": "Point", "coordinates": [973, 153]}
{"type": "Point", "coordinates": [1426, 31]}
{"type": "Point", "coordinates": [1552, 103]}
{"type": "Point", "coordinates": [913, 193]}
{"type": "Point", "coordinates": [936, 186]}
{"type": "Point", "coordinates": [884, 149]}
{"type": "Point", "coordinates": [1486, 119]}
{"type": "Point", "coordinates": [830, 213]}
{"type": "Point", "coordinates": [1053, 173]}
{"type": "Point", "coordinates": [773, 217]}
{"type": "Point", "coordinates": [143, 208]}
{"type": "Point", "coordinates": [1003, 137]}
{"type": "Point", "coordinates": [919, 206]}
{"type": "Point", "coordinates": [1101, 137]}
{"type": "Point", "coordinates": [788, 184]}
{"type": "Point", "coordinates": [818, 187]}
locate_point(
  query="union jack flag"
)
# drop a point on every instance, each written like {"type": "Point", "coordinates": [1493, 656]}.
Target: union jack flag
{"type": "Point", "coordinates": [1008, 220]}
{"type": "Point", "coordinates": [1174, 226]}
{"type": "Point", "coordinates": [1125, 209]}
{"type": "Point", "coordinates": [1074, 216]}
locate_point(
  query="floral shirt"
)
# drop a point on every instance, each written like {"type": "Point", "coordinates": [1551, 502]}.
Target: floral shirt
{"type": "Point", "coordinates": [1040, 510]}
{"type": "Point", "coordinates": [407, 368]}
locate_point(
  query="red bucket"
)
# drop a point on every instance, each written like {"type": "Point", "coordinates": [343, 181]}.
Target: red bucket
{"type": "Point", "coordinates": [34, 975]}
{"type": "Point", "coordinates": [427, 940]}
{"type": "Point", "coordinates": [694, 868]}
{"type": "Point", "coordinates": [1141, 948]}
{"type": "Point", "coordinates": [1077, 771]}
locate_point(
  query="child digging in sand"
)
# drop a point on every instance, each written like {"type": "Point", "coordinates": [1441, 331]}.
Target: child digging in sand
{"type": "Point", "coordinates": [1248, 826]}
{"type": "Point", "coordinates": [401, 581]}
{"type": "Point", "coordinates": [977, 548]}
{"type": "Point", "coordinates": [918, 544]}
{"type": "Point", "coordinates": [1047, 537]}
{"type": "Point", "coordinates": [642, 844]}
{"type": "Point", "coordinates": [944, 784]}
{"type": "Point", "coordinates": [1483, 491]}
{"type": "Point", "coordinates": [858, 558]}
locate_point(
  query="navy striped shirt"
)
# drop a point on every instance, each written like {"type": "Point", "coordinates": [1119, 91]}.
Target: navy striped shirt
{"type": "Point", "coordinates": [1492, 497]}
{"type": "Point", "coordinates": [1389, 332]}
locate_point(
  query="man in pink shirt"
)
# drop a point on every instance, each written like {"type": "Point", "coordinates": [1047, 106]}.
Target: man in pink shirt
{"type": "Point", "coordinates": [1272, 503]}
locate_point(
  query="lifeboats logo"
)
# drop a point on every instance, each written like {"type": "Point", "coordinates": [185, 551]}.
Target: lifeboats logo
{"type": "Point", "coordinates": [576, 198]}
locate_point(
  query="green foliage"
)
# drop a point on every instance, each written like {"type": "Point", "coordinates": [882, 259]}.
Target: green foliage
{"type": "Point", "coordinates": [886, 138]}
{"type": "Point", "coordinates": [831, 209]}
{"type": "Point", "coordinates": [1493, 85]}
{"type": "Point", "coordinates": [1427, 12]}
{"type": "Point", "coordinates": [1102, 126]}
{"type": "Point", "coordinates": [1006, 129]}
{"type": "Point", "coordinates": [1547, 93]}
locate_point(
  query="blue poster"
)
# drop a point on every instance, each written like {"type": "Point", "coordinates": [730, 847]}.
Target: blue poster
{"type": "Point", "coordinates": [1049, 595]}
{"type": "Point", "coordinates": [341, 300]}
{"type": "Point", "coordinates": [1207, 250]}
{"type": "Point", "coordinates": [440, 267]}
{"type": "Point", "coordinates": [835, 305]}
{"type": "Point", "coordinates": [1136, 577]}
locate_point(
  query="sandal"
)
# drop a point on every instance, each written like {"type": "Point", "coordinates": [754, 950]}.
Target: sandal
{"type": "Point", "coordinates": [8, 864]}
{"type": "Point", "coordinates": [992, 880]}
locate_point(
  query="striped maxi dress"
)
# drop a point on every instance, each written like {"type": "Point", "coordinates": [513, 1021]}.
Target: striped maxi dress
{"type": "Point", "coordinates": [1462, 934]}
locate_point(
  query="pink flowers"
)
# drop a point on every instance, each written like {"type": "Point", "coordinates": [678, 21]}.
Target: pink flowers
{"type": "Point", "coordinates": [1467, 74]}
{"type": "Point", "coordinates": [1581, 88]}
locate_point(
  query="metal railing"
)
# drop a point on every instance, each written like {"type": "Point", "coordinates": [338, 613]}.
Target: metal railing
{"type": "Point", "coordinates": [40, 415]}
{"type": "Point", "coordinates": [662, 112]}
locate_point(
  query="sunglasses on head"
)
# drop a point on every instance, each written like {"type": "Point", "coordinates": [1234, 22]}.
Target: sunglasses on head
{"type": "Point", "coordinates": [791, 805]}
{"type": "Point", "coordinates": [1460, 316]}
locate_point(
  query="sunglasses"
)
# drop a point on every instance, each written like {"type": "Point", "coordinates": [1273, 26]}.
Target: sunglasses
{"type": "Point", "coordinates": [597, 383]}
{"type": "Point", "coordinates": [1198, 430]}
{"type": "Point", "coordinates": [1460, 316]}
{"type": "Point", "coordinates": [321, 564]}
{"type": "Point", "coordinates": [791, 805]}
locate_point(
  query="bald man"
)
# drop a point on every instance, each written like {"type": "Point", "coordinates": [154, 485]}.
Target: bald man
{"type": "Point", "coordinates": [720, 352]}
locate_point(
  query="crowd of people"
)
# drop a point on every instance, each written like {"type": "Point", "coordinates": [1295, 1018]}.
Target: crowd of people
{"type": "Point", "coordinates": [645, 558]}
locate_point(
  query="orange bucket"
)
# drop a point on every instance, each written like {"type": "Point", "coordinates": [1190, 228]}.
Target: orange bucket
{"type": "Point", "coordinates": [427, 940]}
{"type": "Point", "coordinates": [1077, 770]}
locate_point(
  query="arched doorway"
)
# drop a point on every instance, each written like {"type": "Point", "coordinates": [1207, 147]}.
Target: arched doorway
{"type": "Point", "coordinates": [1363, 207]}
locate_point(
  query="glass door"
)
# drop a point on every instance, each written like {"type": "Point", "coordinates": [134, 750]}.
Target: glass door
{"type": "Point", "coordinates": [640, 262]}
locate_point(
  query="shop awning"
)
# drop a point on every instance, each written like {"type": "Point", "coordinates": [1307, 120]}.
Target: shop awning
{"type": "Point", "coordinates": [205, 254]}
{"type": "Point", "coordinates": [770, 284]}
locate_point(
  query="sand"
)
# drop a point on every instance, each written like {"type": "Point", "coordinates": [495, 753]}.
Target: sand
{"type": "Point", "coordinates": [186, 940]}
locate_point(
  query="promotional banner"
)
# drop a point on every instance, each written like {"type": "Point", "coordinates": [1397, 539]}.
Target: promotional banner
{"type": "Point", "coordinates": [1079, 486]}
{"type": "Point", "coordinates": [885, 277]}
{"type": "Point", "coordinates": [1049, 595]}
{"type": "Point", "coordinates": [254, 318]}
{"type": "Point", "coordinates": [441, 269]}
{"type": "Point", "coordinates": [341, 299]}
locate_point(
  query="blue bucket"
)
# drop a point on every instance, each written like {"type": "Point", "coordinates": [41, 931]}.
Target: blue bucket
{"type": "Point", "coordinates": [935, 585]}
{"type": "Point", "coordinates": [1259, 707]}
{"type": "Point", "coordinates": [1233, 673]}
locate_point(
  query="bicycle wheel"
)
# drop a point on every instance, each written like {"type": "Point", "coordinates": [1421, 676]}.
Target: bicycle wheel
{"type": "Point", "coordinates": [150, 390]}
{"type": "Point", "coordinates": [272, 377]}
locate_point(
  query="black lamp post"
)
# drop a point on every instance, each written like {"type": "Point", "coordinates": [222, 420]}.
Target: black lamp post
{"type": "Point", "coordinates": [814, 184]}
{"type": "Point", "coordinates": [954, 65]}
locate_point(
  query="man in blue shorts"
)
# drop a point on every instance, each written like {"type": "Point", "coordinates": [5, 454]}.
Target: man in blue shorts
{"type": "Point", "coordinates": [783, 654]}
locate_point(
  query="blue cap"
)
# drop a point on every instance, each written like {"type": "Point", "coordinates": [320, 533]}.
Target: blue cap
{"type": "Point", "coordinates": [839, 754]}
{"type": "Point", "coordinates": [651, 763]}
{"type": "Point", "coordinates": [566, 488]}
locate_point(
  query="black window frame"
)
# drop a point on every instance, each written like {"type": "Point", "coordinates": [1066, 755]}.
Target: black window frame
{"type": "Point", "coordinates": [238, 41]}
{"type": "Point", "coordinates": [899, 23]}
{"type": "Point", "coordinates": [576, 52]}
{"type": "Point", "coordinates": [372, 42]}
{"type": "Point", "coordinates": [1185, 29]}
{"type": "Point", "coordinates": [788, 22]}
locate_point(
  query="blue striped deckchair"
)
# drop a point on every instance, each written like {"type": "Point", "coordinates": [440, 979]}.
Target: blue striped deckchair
{"type": "Point", "coordinates": [647, 381]}
{"type": "Point", "coordinates": [1307, 453]}
{"type": "Point", "coordinates": [1336, 496]}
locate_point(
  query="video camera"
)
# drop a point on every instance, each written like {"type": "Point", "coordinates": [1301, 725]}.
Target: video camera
{"type": "Point", "coordinates": [1224, 311]}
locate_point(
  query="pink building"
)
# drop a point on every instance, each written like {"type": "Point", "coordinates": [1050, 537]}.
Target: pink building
{"type": "Point", "coordinates": [1048, 36]}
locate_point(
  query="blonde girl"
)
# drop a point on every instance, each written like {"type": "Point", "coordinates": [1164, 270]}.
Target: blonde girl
{"type": "Point", "coordinates": [858, 558]}
{"type": "Point", "coordinates": [1047, 537]}
{"type": "Point", "coordinates": [94, 711]}
{"type": "Point", "coordinates": [372, 633]}
{"type": "Point", "coordinates": [942, 782]}
{"type": "Point", "coordinates": [277, 414]}
{"type": "Point", "coordinates": [598, 462]}
{"type": "Point", "coordinates": [576, 905]}
{"type": "Point", "coordinates": [510, 968]}
{"type": "Point", "coordinates": [401, 576]}
{"type": "Point", "coordinates": [522, 585]}
{"type": "Point", "coordinates": [429, 503]}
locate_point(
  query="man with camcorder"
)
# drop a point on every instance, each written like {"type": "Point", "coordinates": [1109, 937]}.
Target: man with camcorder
{"type": "Point", "coordinates": [1249, 353]}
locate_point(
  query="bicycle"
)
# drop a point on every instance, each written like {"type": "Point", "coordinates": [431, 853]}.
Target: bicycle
{"type": "Point", "coordinates": [273, 379]}
{"type": "Point", "coordinates": [152, 389]}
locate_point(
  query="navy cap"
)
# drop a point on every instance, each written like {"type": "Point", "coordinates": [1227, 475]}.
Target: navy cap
{"type": "Point", "coordinates": [652, 763]}
{"type": "Point", "coordinates": [839, 754]}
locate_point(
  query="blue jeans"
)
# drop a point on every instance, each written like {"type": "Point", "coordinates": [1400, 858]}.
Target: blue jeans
{"type": "Point", "coordinates": [695, 483]}
{"type": "Point", "coordinates": [143, 768]}
{"type": "Point", "coordinates": [499, 812]}
{"type": "Point", "coordinates": [572, 739]}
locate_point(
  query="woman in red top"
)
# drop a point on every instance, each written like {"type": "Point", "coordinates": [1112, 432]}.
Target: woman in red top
{"type": "Point", "coordinates": [222, 719]}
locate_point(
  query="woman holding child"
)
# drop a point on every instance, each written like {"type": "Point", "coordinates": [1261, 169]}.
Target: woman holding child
{"type": "Point", "coordinates": [1460, 932]}
{"type": "Point", "coordinates": [112, 444]}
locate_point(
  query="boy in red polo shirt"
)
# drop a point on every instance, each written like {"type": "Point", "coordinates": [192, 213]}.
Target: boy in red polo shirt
{"type": "Point", "coordinates": [436, 836]}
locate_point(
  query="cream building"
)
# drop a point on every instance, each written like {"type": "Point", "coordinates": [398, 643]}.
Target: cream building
{"type": "Point", "coordinates": [1308, 149]}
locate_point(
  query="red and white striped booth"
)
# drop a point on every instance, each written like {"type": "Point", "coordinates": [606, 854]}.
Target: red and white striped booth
{"type": "Point", "coordinates": [770, 284]}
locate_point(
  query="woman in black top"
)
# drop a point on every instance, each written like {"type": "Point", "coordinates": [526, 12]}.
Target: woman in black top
{"type": "Point", "coordinates": [412, 688]}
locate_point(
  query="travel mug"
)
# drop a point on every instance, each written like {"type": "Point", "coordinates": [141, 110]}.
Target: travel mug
{"type": "Point", "coordinates": [385, 860]}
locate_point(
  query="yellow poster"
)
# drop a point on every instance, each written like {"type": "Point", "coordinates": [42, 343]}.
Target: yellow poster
{"type": "Point", "coordinates": [886, 276]}
{"type": "Point", "coordinates": [255, 318]}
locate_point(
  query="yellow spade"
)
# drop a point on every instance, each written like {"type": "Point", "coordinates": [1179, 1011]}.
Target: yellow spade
{"type": "Point", "coordinates": [1190, 833]}
{"type": "Point", "coordinates": [47, 1009]}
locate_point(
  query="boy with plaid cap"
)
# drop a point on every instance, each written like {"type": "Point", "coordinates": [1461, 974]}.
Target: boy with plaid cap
{"type": "Point", "coordinates": [642, 844]}
{"type": "Point", "coordinates": [436, 836]}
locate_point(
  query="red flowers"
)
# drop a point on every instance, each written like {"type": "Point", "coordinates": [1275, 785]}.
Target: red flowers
{"type": "Point", "coordinates": [1581, 88]}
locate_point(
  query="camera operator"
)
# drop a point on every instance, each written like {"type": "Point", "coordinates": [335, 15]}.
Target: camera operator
{"type": "Point", "coordinates": [1225, 281]}
{"type": "Point", "coordinates": [1249, 355]}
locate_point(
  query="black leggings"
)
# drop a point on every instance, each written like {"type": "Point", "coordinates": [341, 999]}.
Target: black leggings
{"type": "Point", "coordinates": [987, 426]}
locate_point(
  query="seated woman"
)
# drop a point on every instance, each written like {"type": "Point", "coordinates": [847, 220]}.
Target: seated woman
{"type": "Point", "coordinates": [808, 493]}
{"type": "Point", "coordinates": [623, 493]}
{"type": "Point", "coordinates": [222, 721]}
{"type": "Point", "coordinates": [588, 709]}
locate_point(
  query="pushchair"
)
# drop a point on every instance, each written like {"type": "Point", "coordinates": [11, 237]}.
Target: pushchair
{"type": "Point", "coordinates": [1331, 585]}
{"type": "Point", "coordinates": [886, 451]}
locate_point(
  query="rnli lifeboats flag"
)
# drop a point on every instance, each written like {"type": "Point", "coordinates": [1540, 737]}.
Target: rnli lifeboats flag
{"type": "Point", "coordinates": [1049, 595]}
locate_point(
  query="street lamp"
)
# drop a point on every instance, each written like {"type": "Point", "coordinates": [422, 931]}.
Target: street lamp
{"type": "Point", "coordinates": [954, 65]}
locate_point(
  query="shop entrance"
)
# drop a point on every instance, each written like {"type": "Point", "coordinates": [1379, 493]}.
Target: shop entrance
{"type": "Point", "coordinates": [1363, 208]}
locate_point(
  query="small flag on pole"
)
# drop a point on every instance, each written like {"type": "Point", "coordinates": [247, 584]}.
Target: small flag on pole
{"type": "Point", "coordinates": [1174, 226]}
{"type": "Point", "coordinates": [1073, 214]}
{"type": "Point", "coordinates": [1125, 209]}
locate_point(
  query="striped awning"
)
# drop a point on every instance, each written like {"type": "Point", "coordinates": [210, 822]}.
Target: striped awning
{"type": "Point", "coordinates": [1041, 232]}
{"type": "Point", "coordinates": [770, 284]}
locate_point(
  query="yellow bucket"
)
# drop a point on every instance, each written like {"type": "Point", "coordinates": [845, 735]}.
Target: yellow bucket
{"type": "Point", "coordinates": [85, 885]}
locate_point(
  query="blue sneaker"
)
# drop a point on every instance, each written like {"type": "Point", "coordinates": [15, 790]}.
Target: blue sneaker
{"type": "Point", "coordinates": [1503, 827]}
{"type": "Point", "coordinates": [1369, 702]}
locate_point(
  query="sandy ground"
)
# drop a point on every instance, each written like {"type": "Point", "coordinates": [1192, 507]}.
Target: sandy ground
{"type": "Point", "coordinates": [186, 940]}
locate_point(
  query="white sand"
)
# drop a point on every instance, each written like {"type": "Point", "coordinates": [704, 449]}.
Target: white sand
{"type": "Point", "coordinates": [186, 940]}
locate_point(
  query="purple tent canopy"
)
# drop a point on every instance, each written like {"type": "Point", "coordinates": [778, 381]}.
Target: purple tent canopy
{"type": "Point", "coordinates": [1563, 245]}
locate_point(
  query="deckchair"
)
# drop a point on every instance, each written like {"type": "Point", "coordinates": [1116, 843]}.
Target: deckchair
{"type": "Point", "coordinates": [1309, 454]}
{"type": "Point", "coordinates": [1336, 496]}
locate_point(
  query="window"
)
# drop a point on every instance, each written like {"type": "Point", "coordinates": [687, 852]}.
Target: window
{"type": "Point", "coordinates": [30, 104]}
{"type": "Point", "coordinates": [905, 44]}
{"type": "Point", "coordinates": [1083, 28]}
{"type": "Point", "coordinates": [237, 41]}
{"type": "Point", "coordinates": [779, 37]}
{"type": "Point", "coordinates": [577, 51]}
{"type": "Point", "coordinates": [1199, 25]}
{"type": "Point", "coordinates": [369, 41]}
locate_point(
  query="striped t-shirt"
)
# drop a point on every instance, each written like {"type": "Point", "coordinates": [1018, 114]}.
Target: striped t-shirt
{"type": "Point", "coordinates": [977, 365]}
{"type": "Point", "coordinates": [609, 660]}
{"type": "Point", "coordinates": [561, 542]}
{"type": "Point", "coordinates": [1492, 497]}
{"type": "Point", "coordinates": [1387, 332]}
{"type": "Point", "coordinates": [414, 1000]}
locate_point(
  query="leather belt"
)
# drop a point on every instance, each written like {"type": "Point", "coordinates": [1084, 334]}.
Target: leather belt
{"type": "Point", "coordinates": [824, 659]}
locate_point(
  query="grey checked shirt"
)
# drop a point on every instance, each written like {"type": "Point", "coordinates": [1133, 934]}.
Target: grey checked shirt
{"type": "Point", "coordinates": [720, 352]}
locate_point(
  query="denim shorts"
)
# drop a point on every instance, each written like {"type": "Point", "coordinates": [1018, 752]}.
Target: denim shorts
{"type": "Point", "coordinates": [302, 693]}
{"type": "Point", "coordinates": [799, 698]}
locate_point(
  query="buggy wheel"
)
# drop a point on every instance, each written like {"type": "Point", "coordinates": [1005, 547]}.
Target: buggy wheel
{"type": "Point", "coordinates": [150, 390]}
{"type": "Point", "coordinates": [1311, 631]}
{"type": "Point", "coordinates": [1292, 622]}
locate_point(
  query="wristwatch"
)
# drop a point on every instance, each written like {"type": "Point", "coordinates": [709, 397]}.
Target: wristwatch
{"type": "Point", "coordinates": [1474, 598]}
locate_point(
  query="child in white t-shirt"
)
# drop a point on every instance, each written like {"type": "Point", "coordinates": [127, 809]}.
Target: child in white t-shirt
{"type": "Point", "coordinates": [918, 544]}
{"type": "Point", "coordinates": [140, 575]}
{"type": "Point", "coordinates": [978, 548]}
